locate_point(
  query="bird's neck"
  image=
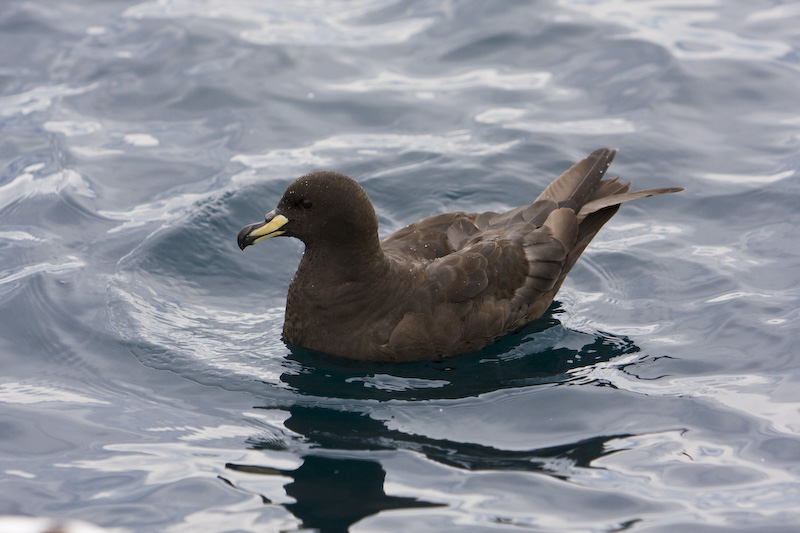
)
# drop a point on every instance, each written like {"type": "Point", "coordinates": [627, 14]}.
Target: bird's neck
{"type": "Point", "coordinates": [331, 289]}
{"type": "Point", "coordinates": [334, 263]}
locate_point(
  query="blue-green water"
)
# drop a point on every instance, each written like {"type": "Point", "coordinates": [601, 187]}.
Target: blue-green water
{"type": "Point", "coordinates": [143, 382]}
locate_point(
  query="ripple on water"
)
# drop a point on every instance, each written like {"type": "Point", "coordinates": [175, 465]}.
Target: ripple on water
{"type": "Point", "coordinates": [305, 22]}
{"type": "Point", "coordinates": [688, 34]}
{"type": "Point", "coordinates": [229, 334]}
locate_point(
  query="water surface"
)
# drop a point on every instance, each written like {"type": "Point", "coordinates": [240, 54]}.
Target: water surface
{"type": "Point", "coordinates": [144, 384]}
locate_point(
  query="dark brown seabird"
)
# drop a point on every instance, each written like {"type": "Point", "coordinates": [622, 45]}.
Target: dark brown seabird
{"type": "Point", "coordinates": [445, 285]}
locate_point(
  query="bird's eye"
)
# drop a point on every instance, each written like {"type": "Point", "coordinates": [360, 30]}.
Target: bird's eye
{"type": "Point", "coordinates": [305, 203]}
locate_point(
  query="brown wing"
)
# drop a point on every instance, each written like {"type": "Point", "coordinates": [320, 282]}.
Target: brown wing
{"type": "Point", "coordinates": [512, 266]}
{"type": "Point", "coordinates": [432, 237]}
{"type": "Point", "coordinates": [461, 301]}
{"type": "Point", "coordinates": [493, 268]}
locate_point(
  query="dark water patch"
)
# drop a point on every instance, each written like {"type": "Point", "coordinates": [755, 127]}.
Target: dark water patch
{"type": "Point", "coordinates": [542, 353]}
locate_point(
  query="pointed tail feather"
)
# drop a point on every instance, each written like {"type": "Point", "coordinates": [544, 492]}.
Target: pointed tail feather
{"type": "Point", "coordinates": [577, 185]}
{"type": "Point", "coordinates": [602, 202]}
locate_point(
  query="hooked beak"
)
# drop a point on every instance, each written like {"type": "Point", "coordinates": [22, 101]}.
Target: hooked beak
{"type": "Point", "coordinates": [271, 227]}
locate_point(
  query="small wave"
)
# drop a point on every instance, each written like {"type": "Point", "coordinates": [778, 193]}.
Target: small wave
{"type": "Point", "coordinates": [28, 185]}
{"type": "Point", "coordinates": [747, 179]}
{"type": "Point", "coordinates": [38, 99]}
{"type": "Point", "coordinates": [166, 329]}
{"type": "Point", "coordinates": [36, 393]}
{"type": "Point", "coordinates": [349, 148]}
{"type": "Point", "coordinates": [304, 22]}
{"type": "Point", "coordinates": [70, 263]}
{"type": "Point", "coordinates": [512, 118]}
{"type": "Point", "coordinates": [487, 77]}
{"type": "Point", "coordinates": [684, 27]}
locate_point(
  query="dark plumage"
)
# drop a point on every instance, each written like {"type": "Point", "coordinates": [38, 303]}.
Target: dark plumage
{"type": "Point", "coordinates": [445, 285]}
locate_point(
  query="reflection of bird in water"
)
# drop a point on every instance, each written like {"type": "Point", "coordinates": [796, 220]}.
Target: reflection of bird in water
{"type": "Point", "coordinates": [445, 285]}
{"type": "Point", "coordinates": [333, 492]}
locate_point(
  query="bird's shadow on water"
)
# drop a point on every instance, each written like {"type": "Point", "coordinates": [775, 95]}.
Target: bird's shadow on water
{"type": "Point", "coordinates": [543, 352]}
{"type": "Point", "coordinates": [341, 480]}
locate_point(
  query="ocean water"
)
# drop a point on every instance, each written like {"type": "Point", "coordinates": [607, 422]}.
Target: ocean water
{"type": "Point", "coordinates": [144, 385]}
